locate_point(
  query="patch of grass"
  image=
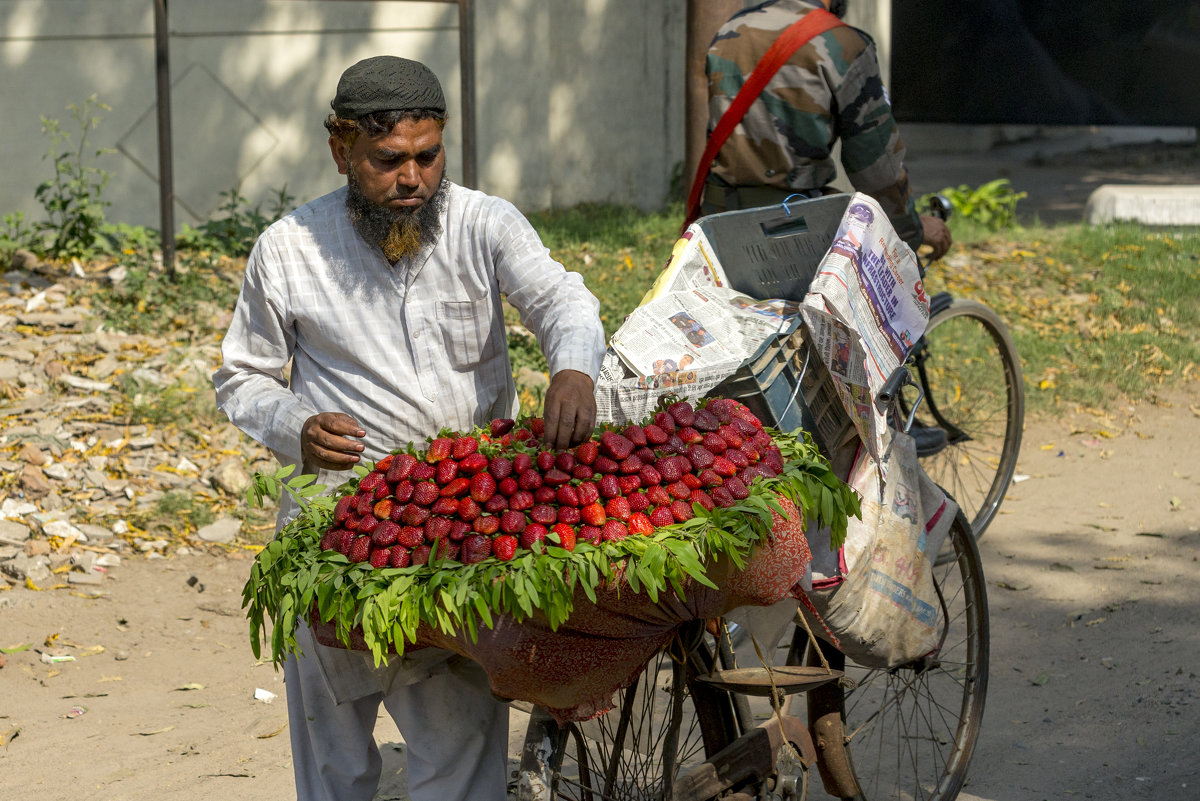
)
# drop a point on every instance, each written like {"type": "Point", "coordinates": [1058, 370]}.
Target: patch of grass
{"type": "Point", "coordinates": [149, 301]}
{"type": "Point", "coordinates": [174, 513]}
{"type": "Point", "coordinates": [178, 404]}
{"type": "Point", "coordinates": [1097, 313]}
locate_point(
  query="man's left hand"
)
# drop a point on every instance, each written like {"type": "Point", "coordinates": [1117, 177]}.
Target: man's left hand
{"type": "Point", "coordinates": [570, 410]}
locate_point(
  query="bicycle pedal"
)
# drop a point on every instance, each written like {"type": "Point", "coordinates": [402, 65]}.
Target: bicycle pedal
{"type": "Point", "coordinates": [761, 681]}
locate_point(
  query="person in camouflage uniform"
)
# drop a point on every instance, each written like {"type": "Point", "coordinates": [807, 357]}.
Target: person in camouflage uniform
{"type": "Point", "coordinates": [829, 89]}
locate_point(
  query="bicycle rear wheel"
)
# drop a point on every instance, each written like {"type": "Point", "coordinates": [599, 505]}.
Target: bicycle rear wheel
{"type": "Point", "coordinates": [971, 375]}
{"type": "Point", "coordinates": [909, 732]}
{"type": "Point", "coordinates": [664, 724]}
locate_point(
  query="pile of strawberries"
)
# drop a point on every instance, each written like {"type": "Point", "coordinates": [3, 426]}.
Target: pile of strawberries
{"type": "Point", "coordinates": [471, 497]}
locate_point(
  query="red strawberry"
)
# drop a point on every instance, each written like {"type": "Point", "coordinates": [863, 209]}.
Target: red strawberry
{"type": "Point", "coordinates": [445, 506]}
{"type": "Point", "coordinates": [351, 522]}
{"type": "Point", "coordinates": [741, 412]}
{"type": "Point", "coordinates": [385, 534]}
{"type": "Point", "coordinates": [649, 475]}
{"type": "Point", "coordinates": [722, 408]}
{"type": "Point", "coordinates": [665, 421]}
{"type": "Point", "coordinates": [463, 447]}
{"type": "Point", "coordinates": [615, 446]}
{"type": "Point", "coordinates": [715, 443]}
{"type": "Point", "coordinates": [569, 515]}
{"type": "Point", "coordinates": [618, 507]}
{"type": "Point", "coordinates": [635, 434]}
{"type": "Point", "coordinates": [488, 524]}
{"type": "Point", "coordinates": [613, 531]}
{"type": "Point", "coordinates": [555, 477]}
{"type": "Point", "coordinates": [447, 469]}
{"type": "Point", "coordinates": [360, 550]}
{"type": "Point", "coordinates": [743, 427]}
{"type": "Point", "coordinates": [582, 471]}
{"type": "Point", "coordinates": [456, 488]}
{"type": "Point", "coordinates": [669, 469]}
{"type": "Point", "coordinates": [483, 486]}
{"type": "Point", "coordinates": [709, 478]}
{"type": "Point", "coordinates": [567, 495]}
{"type": "Point", "coordinates": [639, 523]}
{"type": "Point", "coordinates": [737, 458]}
{"type": "Point", "coordinates": [544, 494]}
{"type": "Point", "coordinates": [723, 467]}
{"type": "Point", "coordinates": [721, 497]}
{"type": "Point", "coordinates": [565, 461]}
{"type": "Point", "coordinates": [703, 498]}
{"type": "Point", "coordinates": [522, 434]}
{"type": "Point", "coordinates": [589, 492]}
{"type": "Point", "coordinates": [507, 486]}
{"type": "Point", "coordinates": [529, 480]}
{"type": "Point", "coordinates": [440, 448]}
{"type": "Point", "coordinates": [706, 421]}
{"type": "Point", "coordinates": [593, 514]}
{"type": "Point", "coordinates": [736, 488]}
{"type": "Point", "coordinates": [420, 555]}
{"type": "Point", "coordinates": [751, 450]}
{"type": "Point", "coordinates": [496, 503]}
{"type": "Point", "coordinates": [473, 464]}
{"type": "Point", "coordinates": [448, 550]}
{"type": "Point", "coordinates": [367, 524]}
{"type": "Point", "coordinates": [330, 539]}
{"type": "Point", "coordinates": [342, 509]}
{"type": "Point", "coordinates": [682, 413]}
{"type": "Point", "coordinates": [565, 534]}
{"type": "Point", "coordinates": [504, 547]}
{"type": "Point", "coordinates": [589, 534]}
{"type": "Point", "coordinates": [410, 536]}
{"type": "Point", "coordinates": [690, 436]}
{"type": "Point", "coordinates": [476, 548]}
{"type": "Point", "coordinates": [533, 536]}
{"type": "Point", "coordinates": [414, 515]}
{"type": "Point", "coordinates": [681, 511]}
{"type": "Point", "coordinates": [700, 457]}
{"type": "Point", "coordinates": [370, 482]}
{"type": "Point", "coordinates": [661, 516]}
{"type": "Point", "coordinates": [425, 493]}
{"type": "Point", "coordinates": [403, 491]}
{"type": "Point", "coordinates": [658, 495]}
{"type": "Point", "coordinates": [646, 454]}
{"type": "Point", "coordinates": [604, 465]}
{"type": "Point", "coordinates": [501, 467]}
{"type": "Point", "coordinates": [380, 558]}
{"type": "Point", "coordinates": [544, 460]}
{"type": "Point", "coordinates": [437, 528]}
{"type": "Point", "coordinates": [629, 465]}
{"type": "Point", "coordinates": [521, 462]}
{"type": "Point", "coordinates": [731, 436]}
{"type": "Point", "coordinates": [382, 491]}
{"type": "Point", "coordinates": [586, 452]}
{"type": "Point", "coordinates": [675, 444]}
{"type": "Point", "coordinates": [469, 509]}
{"type": "Point", "coordinates": [501, 426]}
{"type": "Point", "coordinates": [383, 509]}
{"type": "Point", "coordinates": [538, 426]}
{"type": "Point", "coordinates": [400, 557]}
{"type": "Point", "coordinates": [401, 467]}
{"type": "Point", "coordinates": [423, 472]}
{"type": "Point", "coordinates": [679, 490]}
{"type": "Point", "coordinates": [383, 464]}
{"type": "Point", "coordinates": [347, 540]}
{"type": "Point", "coordinates": [655, 436]}
{"type": "Point", "coordinates": [512, 522]}
{"type": "Point", "coordinates": [520, 500]}
{"type": "Point", "coordinates": [363, 503]}
{"type": "Point", "coordinates": [628, 484]}
{"type": "Point", "coordinates": [638, 502]}
{"type": "Point", "coordinates": [609, 487]}
{"type": "Point", "coordinates": [692, 480]}
{"type": "Point", "coordinates": [544, 514]}
{"type": "Point", "coordinates": [459, 529]}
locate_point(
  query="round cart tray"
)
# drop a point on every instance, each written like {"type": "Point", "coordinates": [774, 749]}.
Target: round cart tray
{"type": "Point", "coordinates": [787, 679]}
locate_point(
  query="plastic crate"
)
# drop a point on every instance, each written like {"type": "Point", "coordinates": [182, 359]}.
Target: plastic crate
{"type": "Point", "coordinates": [767, 253]}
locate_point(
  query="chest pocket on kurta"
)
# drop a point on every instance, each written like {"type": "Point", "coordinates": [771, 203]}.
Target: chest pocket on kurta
{"type": "Point", "coordinates": [467, 331]}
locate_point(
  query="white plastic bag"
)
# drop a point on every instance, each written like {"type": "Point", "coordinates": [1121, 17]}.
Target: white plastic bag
{"type": "Point", "coordinates": [878, 599]}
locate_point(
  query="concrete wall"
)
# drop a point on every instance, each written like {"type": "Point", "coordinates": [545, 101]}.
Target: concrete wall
{"type": "Point", "coordinates": [576, 101]}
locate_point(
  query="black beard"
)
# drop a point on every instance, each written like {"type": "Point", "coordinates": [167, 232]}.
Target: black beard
{"type": "Point", "coordinates": [398, 232]}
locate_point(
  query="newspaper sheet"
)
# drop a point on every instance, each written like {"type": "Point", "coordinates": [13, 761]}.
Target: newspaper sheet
{"type": "Point", "coordinates": [870, 283]}
{"type": "Point", "coordinates": [693, 264]}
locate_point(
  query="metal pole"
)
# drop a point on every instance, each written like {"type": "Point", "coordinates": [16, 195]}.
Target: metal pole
{"type": "Point", "coordinates": [166, 173]}
{"type": "Point", "coordinates": [466, 50]}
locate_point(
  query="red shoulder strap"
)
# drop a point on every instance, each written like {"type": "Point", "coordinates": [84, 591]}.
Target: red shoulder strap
{"type": "Point", "coordinates": [812, 24]}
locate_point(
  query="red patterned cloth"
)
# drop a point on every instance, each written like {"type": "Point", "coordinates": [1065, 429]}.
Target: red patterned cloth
{"type": "Point", "coordinates": [575, 671]}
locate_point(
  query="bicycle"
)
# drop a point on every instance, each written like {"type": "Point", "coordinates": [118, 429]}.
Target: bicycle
{"type": "Point", "coordinates": [685, 729]}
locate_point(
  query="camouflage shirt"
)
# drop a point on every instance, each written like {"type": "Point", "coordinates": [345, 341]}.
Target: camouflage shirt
{"type": "Point", "coordinates": [830, 89]}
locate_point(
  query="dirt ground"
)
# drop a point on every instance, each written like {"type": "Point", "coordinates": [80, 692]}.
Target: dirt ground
{"type": "Point", "coordinates": [1093, 580]}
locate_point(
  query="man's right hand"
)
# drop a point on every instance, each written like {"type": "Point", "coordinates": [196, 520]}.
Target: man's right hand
{"type": "Point", "coordinates": [937, 235]}
{"type": "Point", "coordinates": [325, 441]}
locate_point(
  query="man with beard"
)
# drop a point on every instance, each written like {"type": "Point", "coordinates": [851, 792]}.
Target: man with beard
{"type": "Point", "coordinates": [385, 298]}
